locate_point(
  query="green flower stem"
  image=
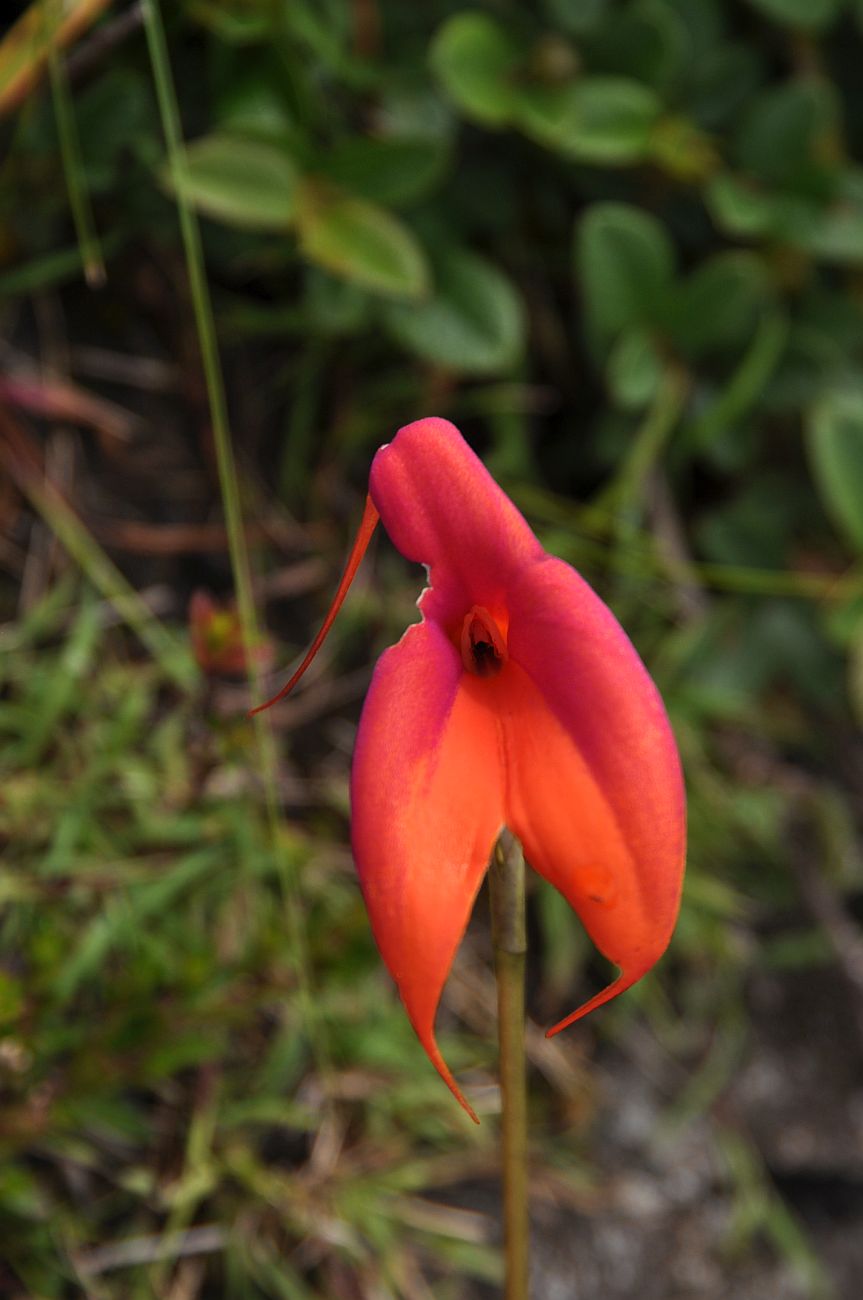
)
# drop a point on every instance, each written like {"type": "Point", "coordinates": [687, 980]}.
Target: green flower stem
{"type": "Point", "coordinates": [506, 881]}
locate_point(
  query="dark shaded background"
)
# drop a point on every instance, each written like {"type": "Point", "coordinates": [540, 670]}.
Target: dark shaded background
{"type": "Point", "coordinates": [620, 245]}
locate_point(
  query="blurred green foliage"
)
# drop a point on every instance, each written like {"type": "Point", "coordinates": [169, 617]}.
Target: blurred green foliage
{"type": "Point", "coordinates": [620, 242]}
{"type": "Point", "coordinates": [600, 191]}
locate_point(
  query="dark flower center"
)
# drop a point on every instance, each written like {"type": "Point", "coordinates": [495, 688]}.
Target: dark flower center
{"type": "Point", "coordinates": [483, 649]}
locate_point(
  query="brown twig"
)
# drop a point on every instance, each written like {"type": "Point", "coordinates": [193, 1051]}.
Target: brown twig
{"type": "Point", "coordinates": [176, 539]}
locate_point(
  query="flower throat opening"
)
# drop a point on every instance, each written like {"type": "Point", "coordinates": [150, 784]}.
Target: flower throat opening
{"type": "Point", "coordinates": [483, 649]}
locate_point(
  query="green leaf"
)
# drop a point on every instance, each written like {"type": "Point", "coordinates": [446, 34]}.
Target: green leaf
{"type": "Point", "coordinates": [739, 206]}
{"type": "Point", "coordinates": [716, 307]}
{"type": "Point", "coordinates": [476, 61]}
{"type": "Point", "coordinates": [542, 112]}
{"type": "Point", "coordinates": [359, 241]}
{"type": "Point", "coordinates": [832, 232]}
{"type": "Point", "coordinates": [605, 120]}
{"type": "Point", "coordinates": [784, 139]}
{"type": "Point", "coordinates": [473, 322]}
{"type": "Point", "coordinates": [609, 120]}
{"type": "Point", "coordinates": [389, 171]}
{"type": "Point", "coordinates": [242, 182]}
{"type": "Point", "coordinates": [256, 109]}
{"type": "Point", "coordinates": [726, 77]}
{"type": "Point", "coordinates": [837, 235]}
{"type": "Point", "coordinates": [800, 13]}
{"type": "Point", "coordinates": [704, 21]}
{"type": "Point", "coordinates": [835, 442]}
{"type": "Point", "coordinates": [634, 370]}
{"type": "Point", "coordinates": [625, 265]}
{"type": "Point", "coordinates": [415, 110]}
{"type": "Point", "coordinates": [647, 41]}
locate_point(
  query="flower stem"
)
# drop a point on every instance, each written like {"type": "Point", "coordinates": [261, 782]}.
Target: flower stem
{"type": "Point", "coordinates": [506, 881]}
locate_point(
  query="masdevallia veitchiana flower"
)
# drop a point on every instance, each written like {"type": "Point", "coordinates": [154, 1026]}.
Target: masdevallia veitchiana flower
{"type": "Point", "coordinates": [516, 701]}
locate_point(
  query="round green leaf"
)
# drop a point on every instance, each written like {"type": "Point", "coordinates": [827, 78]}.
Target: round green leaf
{"type": "Point", "coordinates": [612, 120]}
{"type": "Point", "coordinates": [781, 137]}
{"type": "Point", "coordinates": [739, 206]}
{"type": "Point", "coordinates": [725, 79]}
{"type": "Point", "coordinates": [835, 440]}
{"type": "Point", "coordinates": [542, 112]}
{"type": "Point", "coordinates": [389, 171]}
{"type": "Point", "coordinates": [476, 61]}
{"type": "Point", "coordinates": [473, 322]}
{"type": "Point", "coordinates": [625, 265]}
{"type": "Point", "coordinates": [647, 41]}
{"type": "Point", "coordinates": [359, 241]}
{"type": "Point", "coordinates": [242, 182]}
{"type": "Point", "coordinates": [605, 120]}
{"type": "Point", "coordinates": [634, 370]}
{"type": "Point", "coordinates": [716, 307]}
{"type": "Point", "coordinates": [836, 235]}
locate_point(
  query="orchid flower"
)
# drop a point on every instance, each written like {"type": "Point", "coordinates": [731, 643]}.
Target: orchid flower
{"type": "Point", "coordinates": [516, 701]}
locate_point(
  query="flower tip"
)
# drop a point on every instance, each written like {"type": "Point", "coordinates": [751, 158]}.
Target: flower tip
{"type": "Point", "coordinates": [268, 704]}
{"type": "Point", "coordinates": [467, 1106]}
{"type": "Point", "coordinates": [433, 1052]}
{"type": "Point", "coordinates": [619, 985]}
{"type": "Point", "coordinates": [368, 523]}
{"type": "Point", "coordinates": [461, 1099]}
{"type": "Point", "coordinates": [456, 1091]}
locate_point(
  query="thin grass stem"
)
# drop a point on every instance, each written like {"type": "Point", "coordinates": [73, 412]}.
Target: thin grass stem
{"type": "Point", "coordinates": [70, 152]}
{"type": "Point", "coordinates": [206, 331]}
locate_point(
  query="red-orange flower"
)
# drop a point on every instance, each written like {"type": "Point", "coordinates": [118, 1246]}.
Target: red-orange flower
{"type": "Point", "coordinates": [516, 701]}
